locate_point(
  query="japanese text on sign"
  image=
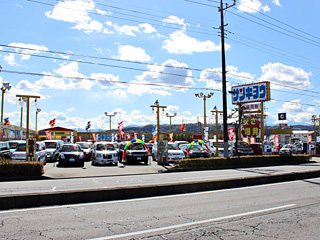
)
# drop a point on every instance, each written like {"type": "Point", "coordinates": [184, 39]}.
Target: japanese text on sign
{"type": "Point", "coordinates": [257, 92]}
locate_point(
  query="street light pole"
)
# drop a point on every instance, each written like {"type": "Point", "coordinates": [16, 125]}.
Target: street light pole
{"type": "Point", "coordinates": [110, 115]}
{"type": "Point", "coordinates": [37, 112]}
{"type": "Point", "coordinates": [216, 112]}
{"type": "Point", "coordinates": [5, 86]}
{"type": "Point", "coordinates": [202, 95]}
{"type": "Point", "coordinates": [27, 97]}
{"type": "Point", "coordinates": [171, 116]}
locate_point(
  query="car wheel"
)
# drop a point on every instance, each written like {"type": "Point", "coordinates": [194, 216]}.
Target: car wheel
{"type": "Point", "coordinates": [93, 163]}
{"type": "Point", "coordinates": [81, 164]}
{"type": "Point", "coordinates": [116, 164]}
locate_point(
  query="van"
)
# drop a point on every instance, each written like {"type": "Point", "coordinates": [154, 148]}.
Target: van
{"type": "Point", "coordinates": [52, 147]}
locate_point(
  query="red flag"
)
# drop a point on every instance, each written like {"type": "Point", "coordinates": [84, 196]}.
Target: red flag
{"type": "Point", "coordinates": [48, 133]}
{"type": "Point", "coordinates": [52, 122]}
{"type": "Point", "coordinates": [120, 126]}
{"type": "Point", "coordinates": [6, 121]}
{"type": "Point", "coordinates": [182, 127]}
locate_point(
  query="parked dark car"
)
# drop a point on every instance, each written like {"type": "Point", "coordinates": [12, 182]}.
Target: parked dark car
{"type": "Point", "coordinates": [70, 155]}
{"type": "Point", "coordinates": [136, 152]}
{"type": "Point", "coordinates": [243, 148]}
{"type": "Point", "coordinates": [257, 148]}
{"type": "Point", "coordinates": [5, 150]}
{"type": "Point", "coordinates": [197, 151]}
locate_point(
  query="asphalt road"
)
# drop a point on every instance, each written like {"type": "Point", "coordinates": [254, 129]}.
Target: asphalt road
{"type": "Point", "coordinates": [287, 210]}
{"type": "Point", "coordinates": [142, 180]}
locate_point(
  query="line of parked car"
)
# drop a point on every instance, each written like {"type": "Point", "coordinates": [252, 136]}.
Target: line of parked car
{"type": "Point", "coordinates": [111, 153]}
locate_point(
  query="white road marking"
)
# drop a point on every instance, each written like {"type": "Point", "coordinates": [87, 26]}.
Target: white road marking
{"type": "Point", "coordinates": [54, 189]}
{"type": "Point", "coordinates": [195, 223]}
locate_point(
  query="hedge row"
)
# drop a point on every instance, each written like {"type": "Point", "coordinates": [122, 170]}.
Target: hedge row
{"type": "Point", "coordinates": [239, 162]}
{"type": "Point", "coordinates": [20, 169]}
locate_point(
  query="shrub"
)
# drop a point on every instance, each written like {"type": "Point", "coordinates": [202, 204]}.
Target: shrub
{"type": "Point", "coordinates": [239, 162]}
{"type": "Point", "coordinates": [20, 169]}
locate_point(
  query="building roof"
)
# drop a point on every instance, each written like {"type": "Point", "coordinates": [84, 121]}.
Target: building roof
{"type": "Point", "coordinates": [56, 129]}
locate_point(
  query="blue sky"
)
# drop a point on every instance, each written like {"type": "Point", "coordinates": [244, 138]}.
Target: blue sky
{"type": "Point", "coordinates": [88, 57]}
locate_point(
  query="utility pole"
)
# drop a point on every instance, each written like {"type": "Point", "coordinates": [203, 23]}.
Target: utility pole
{"type": "Point", "coordinates": [224, 79]}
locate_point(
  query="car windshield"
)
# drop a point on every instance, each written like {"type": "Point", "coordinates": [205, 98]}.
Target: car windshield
{"type": "Point", "coordinates": [173, 147]}
{"type": "Point", "coordinates": [110, 147]}
{"type": "Point", "coordinates": [136, 146]}
{"type": "Point", "coordinates": [243, 144]}
{"type": "Point", "coordinates": [71, 148]}
{"type": "Point", "coordinates": [84, 145]}
{"type": "Point", "coordinates": [287, 146]}
{"type": "Point", "coordinates": [101, 147]}
{"type": "Point", "coordinates": [38, 147]}
{"type": "Point", "coordinates": [21, 147]}
{"type": "Point", "coordinates": [51, 145]}
{"type": "Point", "coordinates": [197, 147]}
{"type": "Point", "coordinates": [13, 145]}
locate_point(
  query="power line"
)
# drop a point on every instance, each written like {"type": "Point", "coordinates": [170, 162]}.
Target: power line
{"type": "Point", "coordinates": [133, 68]}
{"type": "Point", "coordinates": [111, 81]}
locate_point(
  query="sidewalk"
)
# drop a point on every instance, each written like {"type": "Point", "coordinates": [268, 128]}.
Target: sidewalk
{"type": "Point", "coordinates": [92, 189]}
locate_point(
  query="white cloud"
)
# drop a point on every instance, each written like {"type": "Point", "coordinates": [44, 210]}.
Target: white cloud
{"type": "Point", "coordinates": [77, 12]}
{"type": "Point", "coordinates": [277, 2]}
{"type": "Point", "coordinates": [131, 53]}
{"type": "Point", "coordinates": [171, 73]}
{"type": "Point", "coordinates": [71, 109]}
{"type": "Point", "coordinates": [180, 43]}
{"type": "Point", "coordinates": [106, 80]}
{"type": "Point", "coordinates": [296, 113]}
{"type": "Point", "coordinates": [252, 6]}
{"type": "Point", "coordinates": [102, 12]}
{"type": "Point", "coordinates": [213, 76]}
{"type": "Point", "coordinates": [129, 30]}
{"type": "Point", "coordinates": [175, 20]}
{"type": "Point", "coordinates": [10, 59]}
{"type": "Point", "coordinates": [147, 28]}
{"type": "Point", "coordinates": [284, 76]}
{"type": "Point", "coordinates": [64, 83]}
{"type": "Point", "coordinates": [26, 49]}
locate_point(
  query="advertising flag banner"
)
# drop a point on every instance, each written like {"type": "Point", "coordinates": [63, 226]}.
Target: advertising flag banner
{"type": "Point", "coordinates": [52, 122]}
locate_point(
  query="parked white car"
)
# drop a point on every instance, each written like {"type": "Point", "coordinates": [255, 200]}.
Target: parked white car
{"type": "Point", "coordinates": [52, 147]}
{"type": "Point", "coordinates": [14, 144]}
{"type": "Point", "coordinates": [104, 153]}
{"type": "Point", "coordinates": [288, 149]}
{"type": "Point", "coordinates": [20, 154]}
{"type": "Point", "coordinates": [213, 145]}
{"type": "Point", "coordinates": [174, 152]}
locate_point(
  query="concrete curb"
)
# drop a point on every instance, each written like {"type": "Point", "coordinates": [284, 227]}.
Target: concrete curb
{"type": "Point", "coordinates": [98, 195]}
